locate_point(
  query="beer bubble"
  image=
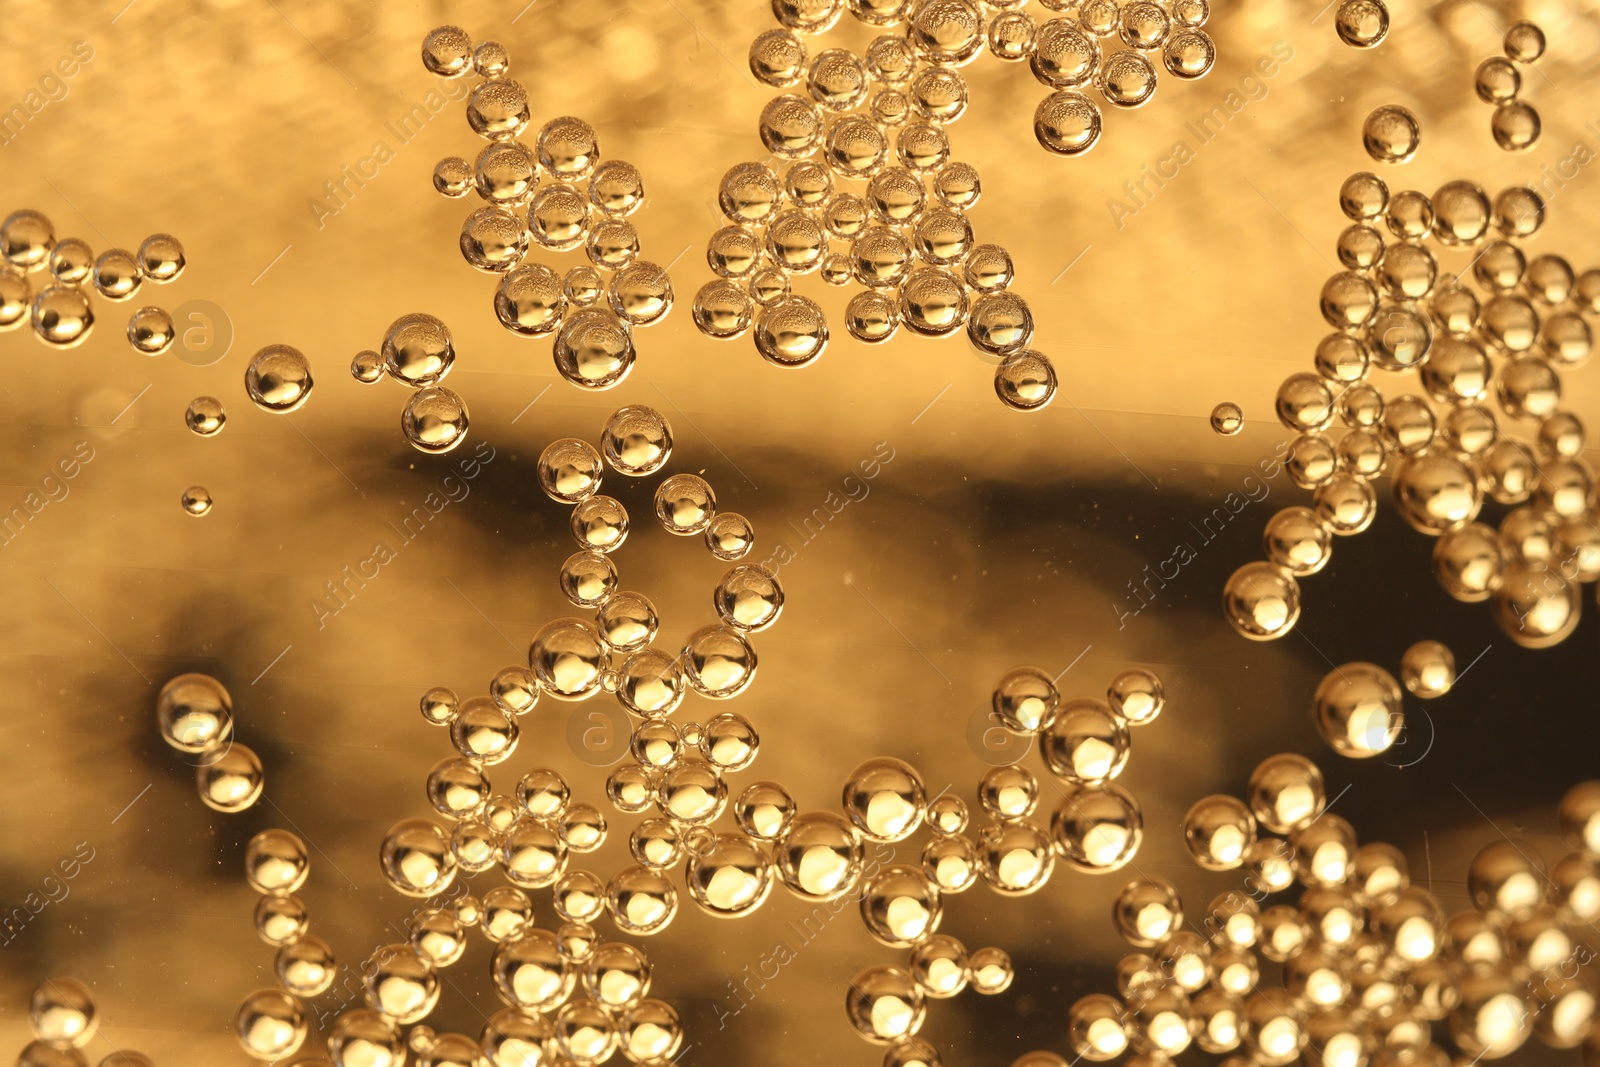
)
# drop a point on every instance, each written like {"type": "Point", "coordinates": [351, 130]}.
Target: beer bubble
{"type": "Point", "coordinates": [1362, 23]}
{"type": "Point", "coordinates": [1126, 79]}
{"type": "Point", "coordinates": [1515, 126]}
{"type": "Point", "coordinates": [498, 109]}
{"type": "Point", "coordinates": [1025, 381]}
{"type": "Point", "coordinates": [61, 316]}
{"type": "Point", "coordinates": [1524, 42]}
{"type": "Point", "coordinates": [434, 420]}
{"type": "Point", "coordinates": [1391, 134]}
{"type": "Point", "coordinates": [721, 309]}
{"type": "Point", "coordinates": [1262, 601]}
{"type": "Point", "coordinates": [27, 238]}
{"type": "Point", "coordinates": [232, 781]}
{"type": "Point", "coordinates": [1358, 710]}
{"type": "Point", "coordinates": [270, 1024]}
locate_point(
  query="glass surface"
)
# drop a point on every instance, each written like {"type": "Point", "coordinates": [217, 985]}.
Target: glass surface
{"type": "Point", "coordinates": [340, 573]}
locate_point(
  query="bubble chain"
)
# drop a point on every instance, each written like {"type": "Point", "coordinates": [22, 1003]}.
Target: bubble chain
{"type": "Point", "coordinates": [591, 310]}
{"type": "Point", "coordinates": [61, 313]}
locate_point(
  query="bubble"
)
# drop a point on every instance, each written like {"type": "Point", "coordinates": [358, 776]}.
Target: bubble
{"type": "Point", "coordinates": [276, 863]}
{"type": "Point", "coordinates": [1391, 134]}
{"type": "Point", "coordinates": [792, 332]}
{"type": "Point", "coordinates": [232, 781]}
{"type": "Point", "coordinates": [418, 350]}
{"type": "Point", "coordinates": [530, 300]}
{"type": "Point", "coordinates": [1011, 35]}
{"type": "Point", "coordinates": [1063, 57]}
{"type": "Point", "coordinates": [15, 296]}
{"type": "Point", "coordinates": [946, 31]}
{"type": "Point", "coordinates": [790, 127]}
{"type": "Point", "coordinates": [558, 218]}
{"type": "Point", "coordinates": [532, 855]}
{"type": "Point", "coordinates": [588, 578]}
{"type": "Point", "coordinates": [1085, 743]}
{"type": "Point", "coordinates": [569, 470]}
{"type": "Point", "coordinates": [731, 878]}
{"type": "Point", "coordinates": [884, 1004]}
{"type": "Point", "coordinates": [493, 239]}
{"type": "Point", "coordinates": [26, 239]}
{"type": "Point", "coordinates": [1524, 42]}
{"type": "Point", "coordinates": [650, 683]}
{"type": "Point", "coordinates": [416, 858]}
{"type": "Point", "coordinates": [1126, 79]}
{"type": "Point", "coordinates": [1262, 601]}
{"type": "Point", "coordinates": [1296, 540]}
{"type": "Point", "coordinates": [1515, 126]}
{"type": "Point", "coordinates": [1025, 381]}
{"type": "Point", "coordinates": [1097, 1029]}
{"type": "Point", "coordinates": [483, 732]}
{"type": "Point", "coordinates": [1363, 196]}
{"type": "Point", "coordinates": [988, 268]}
{"type": "Point", "coordinates": [567, 656]}
{"type": "Point", "coordinates": [1410, 215]}
{"type": "Point", "coordinates": [718, 662]}
{"type": "Point", "coordinates": [837, 79]}
{"type": "Point", "coordinates": [627, 622]}
{"type": "Point", "coordinates": [1493, 1018]}
{"type": "Point", "coordinates": [62, 1012]}
{"type": "Point", "coordinates": [305, 968]}
{"type": "Point", "coordinates": [281, 920]}
{"type": "Point", "coordinates": [922, 146]}
{"type": "Point", "coordinates": [641, 901]}
{"type": "Point", "coordinates": [721, 309]}
{"type": "Point", "coordinates": [1362, 23]}
{"type": "Point", "coordinates": [1535, 606]}
{"type": "Point", "coordinates": [568, 148]}
{"type": "Point", "coordinates": [819, 856]}
{"type": "Point", "coordinates": [1097, 829]}
{"type": "Point", "coordinates": [748, 597]}
{"type": "Point", "coordinates": [1218, 831]}
{"type": "Point", "coordinates": [1358, 710]}
{"type": "Point", "coordinates": [1348, 300]}
{"type": "Point", "coordinates": [1147, 911]}
{"type": "Point", "coordinates": [1189, 54]}
{"type": "Point", "coordinates": [434, 420]}
{"type": "Point", "coordinates": [1436, 492]}
{"type": "Point", "coordinates": [498, 109]}
{"type": "Point", "coordinates": [447, 51]}
{"type": "Point", "coordinates": [270, 1024]}
{"type": "Point", "coordinates": [989, 971]}
{"type": "Point", "coordinates": [194, 713]}
{"type": "Point", "coordinates": [1362, 454]}
{"type": "Point", "coordinates": [594, 349]}
{"type": "Point", "coordinates": [1360, 247]}
{"type": "Point", "coordinates": [1025, 700]}
{"type": "Point", "coordinates": [1015, 856]}
{"type": "Point", "coordinates": [582, 286]}
{"type": "Point", "coordinates": [807, 16]}
{"type": "Point", "coordinates": [641, 293]}
{"type": "Point", "coordinates": [505, 173]}
{"type": "Point", "coordinates": [61, 316]}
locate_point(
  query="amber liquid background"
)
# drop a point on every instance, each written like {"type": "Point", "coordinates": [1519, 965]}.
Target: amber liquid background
{"type": "Point", "coordinates": [991, 540]}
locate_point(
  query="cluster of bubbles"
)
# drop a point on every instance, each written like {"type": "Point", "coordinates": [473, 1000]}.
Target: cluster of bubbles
{"type": "Point", "coordinates": [1095, 828]}
{"type": "Point", "coordinates": [868, 192]}
{"type": "Point", "coordinates": [418, 352]}
{"type": "Point", "coordinates": [1362, 23]}
{"type": "Point", "coordinates": [194, 714]}
{"type": "Point", "coordinates": [272, 1023]}
{"type": "Point", "coordinates": [1488, 346]}
{"type": "Point", "coordinates": [592, 309]}
{"type": "Point", "coordinates": [1358, 706]}
{"type": "Point", "coordinates": [63, 1017]}
{"type": "Point", "coordinates": [1371, 963]}
{"type": "Point", "coordinates": [60, 311]}
{"type": "Point", "coordinates": [1498, 82]}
